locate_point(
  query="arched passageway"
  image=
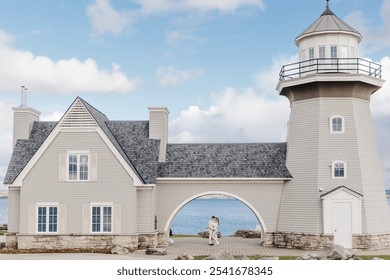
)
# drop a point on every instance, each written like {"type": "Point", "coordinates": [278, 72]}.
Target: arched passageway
{"type": "Point", "coordinates": [252, 209]}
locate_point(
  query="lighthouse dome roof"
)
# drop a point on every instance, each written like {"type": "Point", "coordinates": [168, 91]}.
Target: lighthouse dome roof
{"type": "Point", "coordinates": [327, 23]}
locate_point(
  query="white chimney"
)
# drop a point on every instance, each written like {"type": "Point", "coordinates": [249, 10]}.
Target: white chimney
{"type": "Point", "coordinates": [24, 118]}
{"type": "Point", "coordinates": [158, 128]}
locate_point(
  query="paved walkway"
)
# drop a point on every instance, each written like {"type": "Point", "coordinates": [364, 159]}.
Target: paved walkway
{"type": "Point", "coordinates": [194, 246]}
{"type": "Point", "coordinates": [197, 246]}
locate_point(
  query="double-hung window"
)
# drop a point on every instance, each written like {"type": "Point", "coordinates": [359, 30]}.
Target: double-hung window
{"type": "Point", "coordinates": [101, 220]}
{"type": "Point", "coordinates": [47, 221]}
{"type": "Point", "coordinates": [78, 167]}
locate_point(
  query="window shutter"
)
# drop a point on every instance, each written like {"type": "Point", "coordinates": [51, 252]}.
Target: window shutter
{"type": "Point", "coordinates": [62, 164]}
{"type": "Point", "coordinates": [86, 219]}
{"type": "Point", "coordinates": [62, 219]}
{"type": "Point", "coordinates": [117, 219]}
{"type": "Point", "coordinates": [32, 220]}
{"type": "Point", "coordinates": [93, 167]}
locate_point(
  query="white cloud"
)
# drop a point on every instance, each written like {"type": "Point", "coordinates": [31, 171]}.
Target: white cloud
{"type": "Point", "coordinates": [54, 116]}
{"type": "Point", "coordinates": [105, 19]}
{"type": "Point", "coordinates": [42, 74]}
{"type": "Point", "coordinates": [267, 80]}
{"type": "Point", "coordinates": [170, 76]}
{"type": "Point", "coordinates": [236, 116]}
{"type": "Point", "coordinates": [159, 6]}
{"type": "Point", "coordinates": [375, 38]}
{"type": "Point", "coordinates": [5, 134]}
{"type": "Point", "coordinates": [380, 102]}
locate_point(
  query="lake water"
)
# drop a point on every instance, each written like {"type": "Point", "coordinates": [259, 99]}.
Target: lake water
{"type": "Point", "coordinates": [232, 213]}
{"type": "Point", "coordinates": [194, 216]}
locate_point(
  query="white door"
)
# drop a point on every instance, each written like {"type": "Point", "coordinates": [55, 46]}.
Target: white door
{"type": "Point", "coordinates": [342, 223]}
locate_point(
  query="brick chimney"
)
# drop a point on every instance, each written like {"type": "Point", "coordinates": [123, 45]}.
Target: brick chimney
{"type": "Point", "coordinates": [158, 128]}
{"type": "Point", "coordinates": [24, 118]}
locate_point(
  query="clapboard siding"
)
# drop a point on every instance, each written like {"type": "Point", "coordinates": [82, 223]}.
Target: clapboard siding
{"type": "Point", "coordinates": [264, 197]}
{"type": "Point", "coordinates": [300, 205]}
{"type": "Point", "coordinates": [13, 210]}
{"type": "Point", "coordinates": [145, 211]}
{"type": "Point", "coordinates": [113, 184]}
{"type": "Point", "coordinates": [311, 151]}
{"type": "Point", "coordinates": [375, 208]}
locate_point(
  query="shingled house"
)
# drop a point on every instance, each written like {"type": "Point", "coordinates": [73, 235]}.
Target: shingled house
{"type": "Point", "coordinates": [87, 181]}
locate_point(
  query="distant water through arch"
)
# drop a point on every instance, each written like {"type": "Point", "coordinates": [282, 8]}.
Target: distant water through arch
{"type": "Point", "coordinates": [232, 213]}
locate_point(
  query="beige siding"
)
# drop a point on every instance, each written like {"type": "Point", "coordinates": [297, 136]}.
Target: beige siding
{"type": "Point", "coordinates": [300, 205]}
{"type": "Point", "coordinates": [311, 151]}
{"type": "Point", "coordinates": [158, 128]}
{"type": "Point", "coordinates": [264, 197]}
{"type": "Point", "coordinates": [375, 208]}
{"type": "Point", "coordinates": [13, 210]}
{"type": "Point", "coordinates": [113, 184]}
{"type": "Point", "coordinates": [145, 210]}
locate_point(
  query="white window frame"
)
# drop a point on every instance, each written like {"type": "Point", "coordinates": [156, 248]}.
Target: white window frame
{"type": "Point", "coordinates": [311, 53]}
{"type": "Point", "coordinates": [101, 218]}
{"type": "Point", "coordinates": [321, 52]}
{"type": "Point", "coordinates": [334, 166]}
{"type": "Point", "coordinates": [78, 154]}
{"type": "Point", "coordinates": [334, 54]}
{"type": "Point", "coordinates": [47, 218]}
{"type": "Point", "coordinates": [331, 128]}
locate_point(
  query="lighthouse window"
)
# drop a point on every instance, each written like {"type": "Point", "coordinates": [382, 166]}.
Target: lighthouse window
{"type": "Point", "coordinates": [322, 52]}
{"type": "Point", "coordinates": [311, 53]}
{"type": "Point", "coordinates": [339, 170]}
{"type": "Point", "coordinates": [337, 124]}
{"type": "Point", "coordinates": [333, 51]}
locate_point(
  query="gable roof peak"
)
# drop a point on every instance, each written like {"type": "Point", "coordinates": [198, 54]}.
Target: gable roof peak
{"type": "Point", "coordinates": [78, 115]}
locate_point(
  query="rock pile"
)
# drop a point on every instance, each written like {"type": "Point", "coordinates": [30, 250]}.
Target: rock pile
{"type": "Point", "coordinates": [205, 234]}
{"type": "Point", "coordinates": [247, 234]}
{"type": "Point", "coordinates": [338, 252]}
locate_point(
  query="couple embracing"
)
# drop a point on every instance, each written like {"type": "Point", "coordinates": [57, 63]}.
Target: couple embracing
{"type": "Point", "coordinates": [213, 230]}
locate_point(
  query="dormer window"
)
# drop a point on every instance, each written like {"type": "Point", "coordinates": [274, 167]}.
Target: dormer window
{"type": "Point", "coordinates": [339, 170]}
{"type": "Point", "coordinates": [337, 124]}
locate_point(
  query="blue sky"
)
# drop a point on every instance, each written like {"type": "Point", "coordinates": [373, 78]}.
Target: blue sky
{"type": "Point", "coordinates": [213, 63]}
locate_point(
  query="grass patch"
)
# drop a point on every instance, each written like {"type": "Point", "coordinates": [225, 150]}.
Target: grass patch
{"type": "Point", "coordinates": [54, 251]}
{"type": "Point", "coordinates": [2, 232]}
{"type": "Point", "coordinates": [184, 235]}
{"type": "Point", "coordinates": [385, 257]}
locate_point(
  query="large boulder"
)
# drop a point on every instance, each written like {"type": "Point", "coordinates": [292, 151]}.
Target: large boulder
{"type": "Point", "coordinates": [156, 251]}
{"type": "Point", "coordinates": [119, 250]}
{"type": "Point", "coordinates": [338, 252]}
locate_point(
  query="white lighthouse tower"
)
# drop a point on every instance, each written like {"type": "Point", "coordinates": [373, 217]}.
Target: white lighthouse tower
{"type": "Point", "coordinates": [337, 194]}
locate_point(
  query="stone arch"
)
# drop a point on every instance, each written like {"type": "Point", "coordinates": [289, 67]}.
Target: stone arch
{"type": "Point", "coordinates": [188, 200]}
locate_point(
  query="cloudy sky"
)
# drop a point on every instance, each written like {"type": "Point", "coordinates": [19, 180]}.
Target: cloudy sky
{"type": "Point", "coordinates": [213, 63]}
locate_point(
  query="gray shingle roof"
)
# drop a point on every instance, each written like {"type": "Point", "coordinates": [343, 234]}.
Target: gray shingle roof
{"type": "Point", "coordinates": [25, 149]}
{"type": "Point", "coordinates": [131, 139]}
{"type": "Point", "coordinates": [225, 161]}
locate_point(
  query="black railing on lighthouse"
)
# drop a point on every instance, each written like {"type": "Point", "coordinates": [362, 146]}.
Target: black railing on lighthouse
{"type": "Point", "coordinates": [330, 65]}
